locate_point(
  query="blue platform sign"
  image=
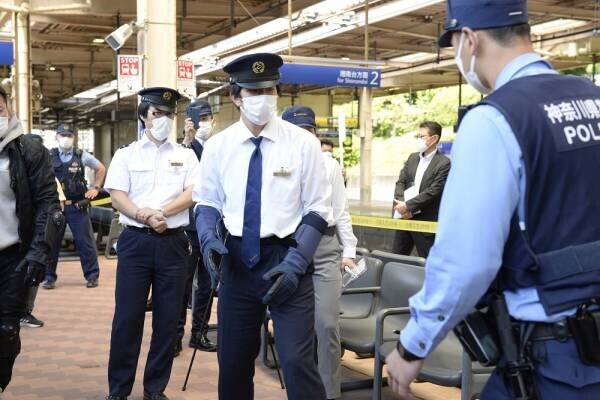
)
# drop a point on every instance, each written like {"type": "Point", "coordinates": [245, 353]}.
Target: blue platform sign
{"type": "Point", "coordinates": [6, 53]}
{"type": "Point", "coordinates": [330, 76]}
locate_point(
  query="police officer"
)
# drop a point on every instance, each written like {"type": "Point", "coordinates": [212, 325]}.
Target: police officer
{"type": "Point", "coordinates": [538, 230]}
{"type": "Point", "coordinates": [27, 199]}
{"type": "Point", "coordinates": [264, 176]}
{"type": "Point", "coordinates": [327, 278]}
{"type": "Point", "coordinates": [69, 162]}
{"type": "Point", "coordinates": [198, 129]}
{"type": "Point", "coordinates": [150, 183]}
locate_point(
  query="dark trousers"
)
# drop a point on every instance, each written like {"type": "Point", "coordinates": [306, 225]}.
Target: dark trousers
{"type": "Point", "coordinates": [201, 293]}
{"type": "Point", "coordinates": [559, 374]}
{"type": "Point", "coordinates": [146, 260]}
{"type": "Point", "coordinates": [241, 313]}
{"type": "Point", "coordinates": [404, 241]}
{"type": "Point", "coordinates": [83, 236]}
{"type": "Point", "coordinates": [12, 304]}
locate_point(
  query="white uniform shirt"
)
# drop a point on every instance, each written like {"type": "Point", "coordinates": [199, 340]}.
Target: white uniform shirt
{"type": "Point", "coordinates": [339, 215]}
{"type": "Point", "coordinates": [153, 176]}
{"type": "Point", "coordinates": [9, 232]}
{"type": "Point", "coordinates": [293, 182]}
{"type": "Point", "coordinates": [424, 162]}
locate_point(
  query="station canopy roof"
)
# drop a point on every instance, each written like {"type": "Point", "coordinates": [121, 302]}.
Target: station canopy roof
{"type": "Point", "coordinates": [75, 68]}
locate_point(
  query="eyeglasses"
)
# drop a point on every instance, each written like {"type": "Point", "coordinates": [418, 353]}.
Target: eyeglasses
{"type": "Point", "coordinates": [159, 114]}
{"type": "Point", "coordinates": [421, 136]}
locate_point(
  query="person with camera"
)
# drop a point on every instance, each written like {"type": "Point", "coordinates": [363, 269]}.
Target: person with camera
{"type": "Point", "coordinates": [68, 162]}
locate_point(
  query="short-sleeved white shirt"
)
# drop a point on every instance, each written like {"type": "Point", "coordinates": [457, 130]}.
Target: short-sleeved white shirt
{"type": "Point", "coordinates": [153, 176]}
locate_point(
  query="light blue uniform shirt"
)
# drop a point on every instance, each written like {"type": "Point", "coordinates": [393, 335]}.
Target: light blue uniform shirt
{"type": "Point", "coordinates": [87, 159]}
{"type": "Point", "coordinates": [485, 186]}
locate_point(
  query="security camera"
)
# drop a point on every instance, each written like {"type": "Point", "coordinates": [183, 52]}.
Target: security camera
{"type": "Point", "coordinates": [117, 38]}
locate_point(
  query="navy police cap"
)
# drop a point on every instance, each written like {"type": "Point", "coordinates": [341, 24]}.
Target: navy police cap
{"type": "Point", "coordinates": [481, 14]}
{"type": "Point", "coordinates": [163, 98]}
{"type": "Point", "coordinates": [299, 115]}
{"type": "Point", "coordinates": [200, 107]}
{"type": "Point", "coordinates": [255, 71]}
{"type": "Point", "coordinates": [63, 128]}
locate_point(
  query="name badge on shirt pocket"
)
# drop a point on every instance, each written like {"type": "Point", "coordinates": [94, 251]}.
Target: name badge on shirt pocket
{"type": "Point", "coordinates": [175, 165]}
{"type": "Point", "coordinates": [283, 172]}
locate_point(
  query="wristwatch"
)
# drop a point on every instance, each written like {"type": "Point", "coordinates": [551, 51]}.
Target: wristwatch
{"type": "Point", "coordinates": [405, 354]}
{"type": "Point", "coordinates": [96, 187]}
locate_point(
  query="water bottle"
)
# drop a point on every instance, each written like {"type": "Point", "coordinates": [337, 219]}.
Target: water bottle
{"type": "Point", "coordinates": [352, 274]}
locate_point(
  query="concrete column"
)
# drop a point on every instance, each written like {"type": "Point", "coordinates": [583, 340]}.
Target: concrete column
{"type": "Point", "coordinates": [366, 138]}
{"type": "Point", "coordinates": [157, 42]}
{"type": "Point", "coordinates": [23, 70]}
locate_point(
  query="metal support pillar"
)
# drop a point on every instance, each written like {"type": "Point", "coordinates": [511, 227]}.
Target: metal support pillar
{"type": "Point", "coordinates": [157, 42]}
{"type": "Point", "coordinates": [366, 127]}
{"type": "Point", "coordinates": [23, 69]}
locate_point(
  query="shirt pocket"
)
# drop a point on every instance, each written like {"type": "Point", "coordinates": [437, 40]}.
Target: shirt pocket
{"type": "Point", "coordinates": [284, 180]}
{"type": "Point", "coordinates": [141, 177]}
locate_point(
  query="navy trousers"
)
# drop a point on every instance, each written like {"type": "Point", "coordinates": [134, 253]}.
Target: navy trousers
{"type": "Point", "coordinates": [146, 260]}
{"type": "Point", "coordinates": [200, 294]}
{"type": "Point", "coordinates": [241, 314]}
{"type": "Point", "coordinates": [559, 374]}
{"type": "Point", "coordinates": [83, 236]}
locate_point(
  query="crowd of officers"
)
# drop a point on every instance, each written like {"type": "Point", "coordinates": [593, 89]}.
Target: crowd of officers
{"type": "Point", "coordinates": [264, 211]}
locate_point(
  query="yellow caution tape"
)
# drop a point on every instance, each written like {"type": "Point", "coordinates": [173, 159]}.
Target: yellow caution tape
{"type": "Point", "coordinates": [101, 202]}
{"type": "Point", "coordinates": [398, 224]}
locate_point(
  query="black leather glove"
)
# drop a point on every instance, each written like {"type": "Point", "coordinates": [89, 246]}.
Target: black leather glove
{"type": "Point", "coordinates": [212, 254]}
{"type": "Point", "coordinates": [285, 283]}
{"type": "Point", "coordinates": [34, 272]}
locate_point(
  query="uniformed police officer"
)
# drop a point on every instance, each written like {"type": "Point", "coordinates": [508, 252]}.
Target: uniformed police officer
{"type": "Point", "coordinates": [265, 177]}
{"type": "Point", "coordinates": [69, 162]}
{"type": "Point", "coordinates": [538, 230]}
{"type": "Point", "coordinates": [197, 130]}
{"type": "Point", "coordinates": [150, 183]}
{"type": "Point", "coordinates": [327, 278]}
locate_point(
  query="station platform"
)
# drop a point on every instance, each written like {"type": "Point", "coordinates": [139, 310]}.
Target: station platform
{"type": "Point", "coordinates": [67, 358]}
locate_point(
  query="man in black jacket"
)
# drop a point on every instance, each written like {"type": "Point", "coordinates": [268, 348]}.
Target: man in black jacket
{"type": "Point", "coordinates": [419, 189]}
{"type": "Point", "coordinates": [28, 202]}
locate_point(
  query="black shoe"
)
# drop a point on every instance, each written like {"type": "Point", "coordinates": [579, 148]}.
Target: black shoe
{"type": "Point", "coordinates": [155, 396]}
{"type": "Point", "coordinates": [92, 283]}
{"type": "Point", "coordinates": [113, 397]}
{"type": "Point", "coordinates": [49, 285]}
{"type": "Point", "coordinates": [177, 348]}
{"type": "Point", "coordinates": [202, 343]}
{"type": "Point", "coordinates": [30, 321]}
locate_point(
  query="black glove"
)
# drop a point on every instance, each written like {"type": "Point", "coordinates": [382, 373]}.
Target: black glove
{"type": "Point", "coordinates": [212, 254]}
{"type": "Point", "coordinates": [34, 273]}
{"type": "Point", "coordinates": [286, 282]}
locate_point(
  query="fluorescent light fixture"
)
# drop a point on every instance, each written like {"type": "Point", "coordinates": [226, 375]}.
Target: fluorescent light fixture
{"type": "Point", "coordinates": [557, 25]}
{"type": "Point", "coordinates": [98, 40]}
{"type": "Point", "coordinates": [376, 14]}
{"type": "Point", "coordinates": [97, 91]}
{"type": "Point", "coordinates": [414, 58]}
{"type": "Point", "coordinates": [345, 58]}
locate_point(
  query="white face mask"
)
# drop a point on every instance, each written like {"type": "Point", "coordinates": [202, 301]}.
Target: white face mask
{"type": "Point", "coordinates": [3, 126]}
{"type": "Point", "coordinates": [421, 145]}
{"type": "Point", "coordinates": [65, 142]}
{"type": "Point", "coordinates": [161, 127]}
{"type": "Point", "coordinates": [471, 76]}
{"type": "Point", "coordinates": [204, 130]}
{"type": "Point", "coordinates": [259, 109]}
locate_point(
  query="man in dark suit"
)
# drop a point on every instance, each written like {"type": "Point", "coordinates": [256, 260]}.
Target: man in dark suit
{"type": "Point", "coordinates": [419, 189]}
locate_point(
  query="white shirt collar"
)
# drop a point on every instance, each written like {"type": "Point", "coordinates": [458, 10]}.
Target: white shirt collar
{"type": "Point", "coordinates": [145, 141]}
{"type": "Point", "coordinates": [427, 157]}
{"type": "Point", "coordinates": [270, 131]}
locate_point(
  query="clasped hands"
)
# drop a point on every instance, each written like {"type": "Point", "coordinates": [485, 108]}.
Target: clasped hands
{"type": "Point", "coordinates": [155, 219]}
{"type": "Point", "coordinates": [403, 209]}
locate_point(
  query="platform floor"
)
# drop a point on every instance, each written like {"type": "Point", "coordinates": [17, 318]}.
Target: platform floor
{"type": "Point", "coordinates": [67, 358]}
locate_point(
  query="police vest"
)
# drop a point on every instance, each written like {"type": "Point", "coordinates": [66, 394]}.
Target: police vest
{"type": "Point", "coordinates": [556, 121]}
{"type": "Point", "coordinates": [70, 174]}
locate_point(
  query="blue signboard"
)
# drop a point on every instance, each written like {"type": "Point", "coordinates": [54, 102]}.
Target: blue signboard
{"type": "Point", "coordinates": [6, 53]}
{"type": "Point", "coordinates": [330, 76]}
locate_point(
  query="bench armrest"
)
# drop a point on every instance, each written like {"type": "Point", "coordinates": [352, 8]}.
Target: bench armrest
{"type": "Point", "coordinates": [361, 290]}
{"type": "Point", "coordinates": [381, 316]}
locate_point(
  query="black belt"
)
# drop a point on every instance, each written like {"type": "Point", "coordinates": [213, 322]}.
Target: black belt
{"type": "Point", "coordinates": [150, 231]}
{"type": "Point", "coordinates": [330, 231]}
{"type": "Point", "coordinates": [274, 240]}
{"type": "Point", "coordinates": [551, 331]}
